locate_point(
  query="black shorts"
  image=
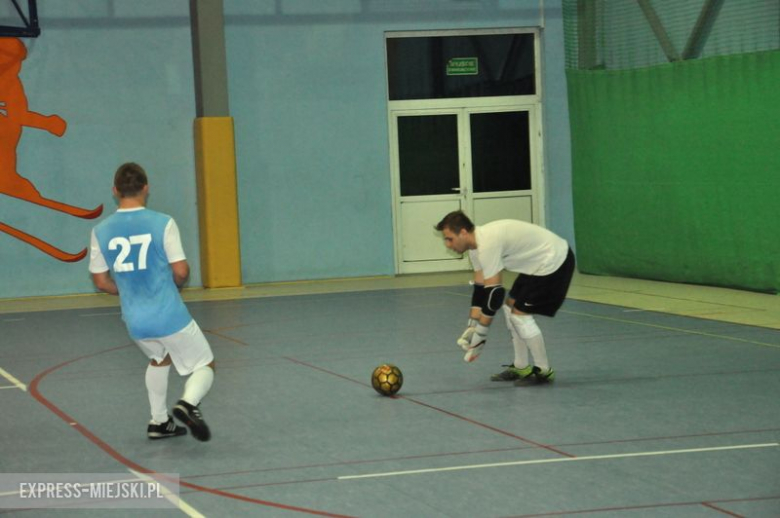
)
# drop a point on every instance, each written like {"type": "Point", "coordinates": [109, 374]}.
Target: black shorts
{"type": "Point", "coordinates": [543, 295]}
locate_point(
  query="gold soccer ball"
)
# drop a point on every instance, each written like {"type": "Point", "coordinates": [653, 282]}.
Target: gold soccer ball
{"type": "Point", "coordinates": [387, 379]}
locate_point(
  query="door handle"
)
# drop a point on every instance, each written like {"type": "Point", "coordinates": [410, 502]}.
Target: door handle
{"type": "Point", "coordinates": [461, 190]}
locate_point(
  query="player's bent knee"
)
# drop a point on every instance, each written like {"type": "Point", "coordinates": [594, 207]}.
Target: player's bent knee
{"type": "Point", "coordinates": [526, 326]}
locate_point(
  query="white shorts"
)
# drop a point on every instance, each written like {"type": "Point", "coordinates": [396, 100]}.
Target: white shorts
{"type": "Point", "coordinates": [189, 349]}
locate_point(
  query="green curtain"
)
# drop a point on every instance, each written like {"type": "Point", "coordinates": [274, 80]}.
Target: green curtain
{"type": "Point", "coordinates": [676, 171]}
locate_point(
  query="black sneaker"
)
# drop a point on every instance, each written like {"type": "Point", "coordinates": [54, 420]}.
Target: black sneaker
{"type": "Point", "coordinates": [165, 430]}
{"type": "Point", "coordinates": [191, 416]}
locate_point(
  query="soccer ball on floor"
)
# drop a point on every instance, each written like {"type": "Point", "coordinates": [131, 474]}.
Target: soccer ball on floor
{"type": "Point", "coordinates": [387, 379]}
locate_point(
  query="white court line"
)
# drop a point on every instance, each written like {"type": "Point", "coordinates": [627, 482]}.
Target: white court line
{"type": "Point", "coordinates": [174, 499]}
{"type": "Point", "coordinates": [18, 384]}
{"type": "Point", "coordinates": [560, 459]}
{"type": "Point", "coordinates": [99, 314]}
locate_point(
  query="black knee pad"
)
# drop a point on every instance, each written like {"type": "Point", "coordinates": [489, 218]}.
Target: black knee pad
{"type": "Point", "coordinates": [494, 298]}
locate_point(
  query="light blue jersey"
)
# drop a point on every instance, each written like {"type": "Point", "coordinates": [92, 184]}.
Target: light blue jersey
{"type": "Point", "coordinates": [132, 243]}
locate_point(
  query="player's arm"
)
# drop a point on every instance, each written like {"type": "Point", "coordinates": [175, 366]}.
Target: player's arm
{"type": "Point", "coordinates": [476, 296]}
{"type": "Point", "coordinates": [475, 312]}
{"type": "Point", "coordinates": [99, 269]}
{"type": "Point", "coordinates": [490, 301]}
{"type": "Point", "coordinates": [486, 299]}
{"type": "Point", "coordinates": [105, 283]}
{"type": "Point", "coordinates": [175, 254]}
{"type": "Point", "coordinates": [181, 272]}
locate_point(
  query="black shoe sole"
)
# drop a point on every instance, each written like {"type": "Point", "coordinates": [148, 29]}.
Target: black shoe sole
{"type": "Point", "coordinates": [199, 430]}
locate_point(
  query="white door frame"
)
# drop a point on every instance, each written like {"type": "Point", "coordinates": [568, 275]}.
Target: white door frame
{"type": "Point", "coordinates": [467, 197]}
{"type": "Point", "coordinates": [463, 107]}
{"type": "Point", "coordinates": [398, 231]}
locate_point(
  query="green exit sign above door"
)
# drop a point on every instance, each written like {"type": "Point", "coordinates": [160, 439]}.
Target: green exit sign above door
{"type": "Point", "coordinates": [462, 67]}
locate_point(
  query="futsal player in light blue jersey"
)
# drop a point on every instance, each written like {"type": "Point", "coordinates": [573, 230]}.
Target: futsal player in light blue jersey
{"type": "Point", "coordinates": [136, 253]}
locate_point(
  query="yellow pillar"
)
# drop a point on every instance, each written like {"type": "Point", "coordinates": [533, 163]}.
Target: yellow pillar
{"type": "Point", "coordinates": [215, 163]}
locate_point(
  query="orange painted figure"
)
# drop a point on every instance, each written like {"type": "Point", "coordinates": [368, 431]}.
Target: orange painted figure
{"type": "Point", "coordinates": [14, 116]}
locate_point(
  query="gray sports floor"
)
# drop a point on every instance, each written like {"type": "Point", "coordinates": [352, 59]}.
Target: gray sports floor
{"type": "Point", "coordinates": [651, 414]}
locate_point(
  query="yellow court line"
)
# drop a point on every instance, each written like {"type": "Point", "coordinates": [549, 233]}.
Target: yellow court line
{"type": "Point", "coordinates": [669, 328]}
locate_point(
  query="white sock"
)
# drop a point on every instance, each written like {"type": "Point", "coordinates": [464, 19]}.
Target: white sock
{"type": "Point", "coordinates": [157, 388]}
{"type": "Point", "coordinates": [198, 385]}
{"type": "Point", "coordinates": [521, 352]}
{"type": "Point", "coordinates": [539, 352]}
{"type": "Point", "coordinates": [528, 330]}
{"type": "Point", "coordinates": [521, 349]}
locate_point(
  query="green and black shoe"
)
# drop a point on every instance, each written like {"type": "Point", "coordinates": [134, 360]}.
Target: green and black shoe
{"type": "Point", "coordinates": [536, 377]}
{"type": "Point", "coordinates": [512, 373]}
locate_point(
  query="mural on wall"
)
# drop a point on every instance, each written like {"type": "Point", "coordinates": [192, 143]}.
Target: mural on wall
{"type": "Point", "coordinates": [14, 115]}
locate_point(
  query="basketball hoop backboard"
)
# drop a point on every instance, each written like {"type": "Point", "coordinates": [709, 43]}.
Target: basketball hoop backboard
{"type": "Point", "coordinates": [18, 20]}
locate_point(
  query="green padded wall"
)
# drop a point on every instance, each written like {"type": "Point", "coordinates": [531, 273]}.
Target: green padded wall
{"type": "Point", "coordinates": [676, 171]}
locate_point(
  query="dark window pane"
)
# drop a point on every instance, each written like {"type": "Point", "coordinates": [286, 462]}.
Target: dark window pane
{"type": "Point", "coordinates": [500, 152]}
{"type": "Point", "coordinates": [428, 154]}
{"type": "Point", "coordinates": [418, 67]}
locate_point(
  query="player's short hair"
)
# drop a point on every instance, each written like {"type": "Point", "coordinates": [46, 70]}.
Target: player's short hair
{"type": "Point", "coordinates": [455, 221]}
{"type": "Point", "coordinates": [130, 180]}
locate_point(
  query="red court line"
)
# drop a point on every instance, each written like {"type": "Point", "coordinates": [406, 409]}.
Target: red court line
{"type": "Point", "coordinates": [668, 437]}
{"type": "Point", "coordinates": [707, 504]}
{"type": "Point", "coordinates": [355, 462]}
{"type": "Point", "coordinates": [493, 428]}
{"type": "Point", "coordinates": [724, 511]}
{"type": "Point", "coordinates": [225, 337]}
{"type": "Point", "coordinates": [432, 407]}
{"type": "Point", "coordinates": [470, 452]}
{"type": "Point", "coordinates": [34, 392]}
{"type": "Point", "coordinates": [279, 483]}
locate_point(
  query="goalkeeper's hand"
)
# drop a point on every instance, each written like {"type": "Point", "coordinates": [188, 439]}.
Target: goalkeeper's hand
{"type": "Point", "coordinates": [476, 344]}
{"type": "Point", "coordinates": [465, 339]}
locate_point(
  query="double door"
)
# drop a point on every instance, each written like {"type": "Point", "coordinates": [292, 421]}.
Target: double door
{"type": "Point", "coordinates": [482, 160]}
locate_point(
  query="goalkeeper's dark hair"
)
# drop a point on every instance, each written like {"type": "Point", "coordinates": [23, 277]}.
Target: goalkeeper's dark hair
{"type": "Point", "coordinates": [455, 221]}
{"type": "Point", "coordinates": [130, 180]}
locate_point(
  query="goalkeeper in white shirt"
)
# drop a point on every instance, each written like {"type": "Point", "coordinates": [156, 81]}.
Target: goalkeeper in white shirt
{"type": "Point", "coordinates": [544, 264]}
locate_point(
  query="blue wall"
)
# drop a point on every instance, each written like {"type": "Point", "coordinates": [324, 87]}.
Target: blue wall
{"type": "Point", "coordinates": [557, 150]}
{"type": "Point", "coordinates": [308, 94]}
{"type": "Point", "coordinates": [120, 74]}
{"type": "Point", "coordinates": [309, 97]}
